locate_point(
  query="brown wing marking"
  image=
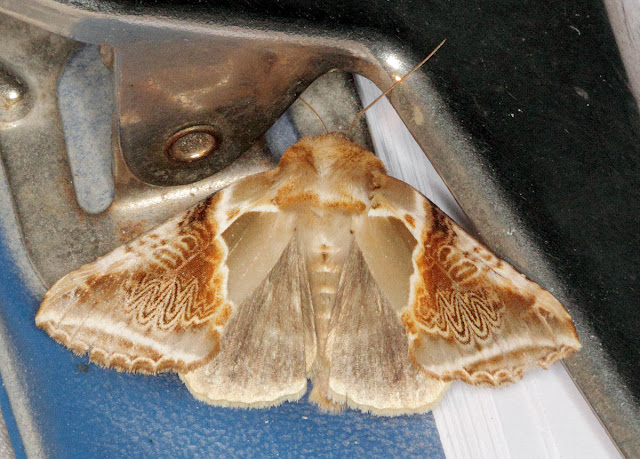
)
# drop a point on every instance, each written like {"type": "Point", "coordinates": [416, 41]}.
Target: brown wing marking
{"type": "Point", "coordinates": [155, 304]}
{"type": "Point", "coordinates": [471, 316]}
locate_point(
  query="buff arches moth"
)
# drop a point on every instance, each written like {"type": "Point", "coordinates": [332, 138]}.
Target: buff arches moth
{"type": "Point", "coordinates": [323, 269]}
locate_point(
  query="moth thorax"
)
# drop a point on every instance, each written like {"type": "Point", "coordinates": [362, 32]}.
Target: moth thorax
{"type": "Point", "coordinates": [326, 238]}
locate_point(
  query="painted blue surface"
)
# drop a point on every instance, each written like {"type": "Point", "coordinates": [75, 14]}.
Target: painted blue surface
{"type": "Point", "coordinates": [86, 102]}
{"type": "Point", "coordinates": [282, 135]}
{"type": "Point", "coordinates": [81, 410]}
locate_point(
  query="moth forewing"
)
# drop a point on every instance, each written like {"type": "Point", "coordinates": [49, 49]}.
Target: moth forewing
{"type": "Point", "coordinates": [146, 306]}
{"type": "Point", "coordinates": [474, 317]}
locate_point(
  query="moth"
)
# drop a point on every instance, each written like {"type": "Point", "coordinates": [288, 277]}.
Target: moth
{"type": "Point", "coordinates": [323, 269]}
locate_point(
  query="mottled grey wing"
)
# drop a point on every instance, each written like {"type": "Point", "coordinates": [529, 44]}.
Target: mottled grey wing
{"type": "Point", "coordinates": [368, 349]}
{"type": "Point", "coordinates": [269, 344]}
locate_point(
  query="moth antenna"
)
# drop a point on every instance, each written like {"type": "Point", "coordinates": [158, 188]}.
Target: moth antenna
{"type": "Point", "coordinates": [326, 131]}
{"type": "Point", "coordinates": [388, 90]}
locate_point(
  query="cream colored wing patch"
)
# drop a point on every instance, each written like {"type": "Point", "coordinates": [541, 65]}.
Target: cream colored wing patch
{"type": "Point", "coordinates": [368, 350]}
{"type": "Point", "coordinates": [263, 358]}
{"type": "Point", "coordinates": [256, 242]}
{"type": "Point", "coordinates": [470, 315]}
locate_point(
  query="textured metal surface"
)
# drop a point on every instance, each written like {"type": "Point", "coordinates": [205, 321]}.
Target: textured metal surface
{"type": "Point", "coordinates": [527, 117]}
{"type": "Point", "coordinates": [86, 104]}
{"type": "Point", "coordinates": [192, 143]}
{"type": "Point", "coordinates": [35, 159]}
{"type": "Point", "coordinates": [15, 100]}
{"type": "Point", "coordinates": [236, 83]}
